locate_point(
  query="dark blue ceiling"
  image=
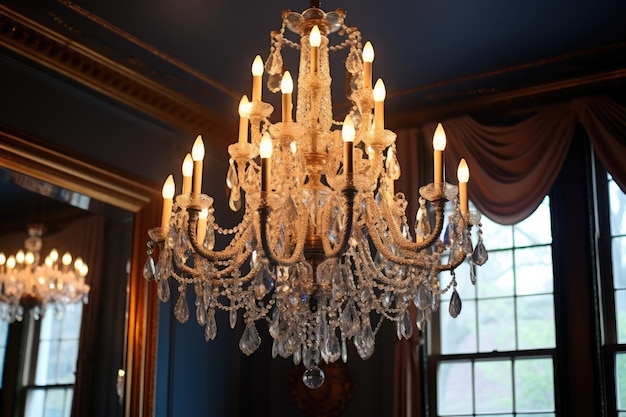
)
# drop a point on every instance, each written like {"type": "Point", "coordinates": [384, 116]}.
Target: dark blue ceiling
{"type": "Point", "coordinates": [423, 48]}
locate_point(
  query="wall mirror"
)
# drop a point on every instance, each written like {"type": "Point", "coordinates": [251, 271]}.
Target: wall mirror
{"type": "Point", "coordinates": [118, 332]}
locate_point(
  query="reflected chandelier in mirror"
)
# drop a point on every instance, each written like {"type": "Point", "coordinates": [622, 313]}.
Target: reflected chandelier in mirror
{"type": "Point", "coordinates": [29, 283]}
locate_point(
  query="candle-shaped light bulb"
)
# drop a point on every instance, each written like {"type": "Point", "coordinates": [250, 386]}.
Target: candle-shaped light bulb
{"type": "Point", "coordinates": [265, 148]}
{"type": "Point", "coordinates": [348, 133]}
{"type": "Point", "coordinates": [11, 262]}
{"type": "Point", "coordinates": [187, 170]}
{"type": "Point", "coordinates": [3, 258]}
{"type": "Point", "coordinates": [84, 270]}
{"type": "Point", "coordinates": [54, 255]}
{"type": "Point", "coordinates": [66, 259]}
{"type": "Point", "coordinates": [379, 104]}
{"type": "Point", "coordinates": [197, 154]}
{"type": "Point", "coordinates": [168, 195]}
{"type": "Point", "coordinates": [286, 87]}
{"type": "Point", "coordinates": [315, 40]}
{"type": "Point", "coordinates": [78, 263]}
{"type": "Point", "coordinates": [265, 151]}
{"type": "Point", "coordinates": [244, 117]}
{"type": "Point", "coordinates": [257, 74]}
{"type": "Point", "coordinates": [19, 257]}
{"type": "Point", "coordinates": [463, 176]}
{"type": "Point", "coordinates": [202, 221]}
{"type": "Point", "coordinates": [29, 258]}
{"type": "Point", "coordinates": [439, 144]}
{"type": "Point", "coordinates": [368, 58]}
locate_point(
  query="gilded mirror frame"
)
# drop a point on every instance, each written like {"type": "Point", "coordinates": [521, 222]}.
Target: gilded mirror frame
{"type": "Point", "coordinates": [27, 156]}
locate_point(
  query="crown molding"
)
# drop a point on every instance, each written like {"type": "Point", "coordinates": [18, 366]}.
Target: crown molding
{"type": "Point", "coordinates": [85, 66]}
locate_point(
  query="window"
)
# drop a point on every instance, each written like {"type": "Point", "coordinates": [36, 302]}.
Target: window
{"type": "Point", "coordinates": [617, 222]}
{"type": "Point", "coordinates": [50, 373]}
{"type": "Point", "coordinates": [497, 357]}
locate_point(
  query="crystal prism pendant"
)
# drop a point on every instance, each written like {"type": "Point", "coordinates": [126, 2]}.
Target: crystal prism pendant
{"type": "Point", "coordinates": [181, 310]}
{"type": "Point", "coordinates": [210, 330]}
{"type": "Point", "coordinates": [455, 304]}
{"type": "Point", "coordinates": [163, 290]}
{"type": "Point", "coordinates": [480, 255]}
{"type": "Point", "coordinates": [313, 377]}
{"type": "Point", "coordinates": [149, 269]}
{"type": "Point", "coordinates": [250, 340]}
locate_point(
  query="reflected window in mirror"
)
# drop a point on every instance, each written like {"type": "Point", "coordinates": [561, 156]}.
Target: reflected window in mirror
{"type": "Point", "coordinates": [51, 357]}
{"type": "Point", "coordinates": [4, 333]}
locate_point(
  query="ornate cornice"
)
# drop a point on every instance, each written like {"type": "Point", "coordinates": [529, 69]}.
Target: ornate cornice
{"type": "Point", "coordinates": [82, 64]}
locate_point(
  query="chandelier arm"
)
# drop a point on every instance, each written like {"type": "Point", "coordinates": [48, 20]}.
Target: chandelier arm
{"type": "Point", "coordinates": [234, 246]}
{"type": "Point", "coordinates": [366, 256]}
{"type": "Point", "coordinates": [349, 194]}
{"type": "Point", "coordinates": [387, 254]}
{"type": "Point", "coordinates": [459, 257]}
{"type": "Point", "coordinates": [403, 242]}
{"type": "Point", "coordinates": [296, 256]}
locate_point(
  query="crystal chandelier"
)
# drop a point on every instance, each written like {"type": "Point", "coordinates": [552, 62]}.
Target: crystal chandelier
{"type": "Point", "coordinates": [28, 284]}
{"type": "Point", "coordinates": [324, 251]}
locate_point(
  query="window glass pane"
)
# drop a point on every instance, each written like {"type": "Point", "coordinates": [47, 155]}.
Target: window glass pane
{"type": "Point", "coordinates": [4, 333]}
{"type": "Point", "coordinates": [458, 335]}
{"type": "Point", "coordinates": [49, 402]}
{"type": "Point", "coordinates": [533, 270]}
{"type": "Point", "coordinates": [454, 388]}
{"type": "Point", "coordinates": [620, 315]}
{"type": "Point", "coordinates": [496, 236]}
{"type": "Point", "coordinates": [495, 278]}
{"type": "Point", "coordinates": [617, 202]}
{"type": "Point", "coordinates": [71, 321]}
{"type": "Point", "coordinates": [618, 249]}
{"type": "Point", "coordinates": [496, 325]}
{"type": "Point", "coordinates": [493, 386]}
{"type": "Point", "coordinates": [534, 385]}
{"type": "Point", "coordinates": [620, 380]}
{"type": "Point", "coordinates": [535, 322]}
{"type": "Point", "coordinates": [68, 353]}
{"type": "Point", "coordinates": [536, 229]}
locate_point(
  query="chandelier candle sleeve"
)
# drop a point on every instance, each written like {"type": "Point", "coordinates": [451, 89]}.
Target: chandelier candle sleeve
{"type": "Point", "coordinates": [244, 118]}
{"type": "Point", "coordinates": [348, 133]}
{"type": "Point", "coordinates": [379, 104]}
{"type": "Point", "coordinates": [286, 87]}
{"type": "Point", "coordinates": [202, 222]}
{"type": "Point", "coordinates": [265, 151]}
{"type": "Point", "coordinates": [168, 196]}
{"type": "Point", "coordinates": [368, 59]}
{"type": "Point", "coordinates": [187, 170]}
{"type": "Point", "coordinates": [197, 154]}
{"type": "Point", "coordinates": [439, 144]}
{"type": "Point", "coordinates": [463, 176]}
{"type": "Point", "coordinates": [315, 40]}
{"type": "Point", "coordinates": [257, 74]}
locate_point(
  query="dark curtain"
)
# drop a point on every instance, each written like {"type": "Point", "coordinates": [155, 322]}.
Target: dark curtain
{"type": "Point", "coordinates": [512, 168]}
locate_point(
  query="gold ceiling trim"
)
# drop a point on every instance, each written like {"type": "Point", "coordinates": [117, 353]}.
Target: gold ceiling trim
{"type": "Point", "coordinates": [82, 64]}
{"type": "Point", "coordinates": [149, 48]}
